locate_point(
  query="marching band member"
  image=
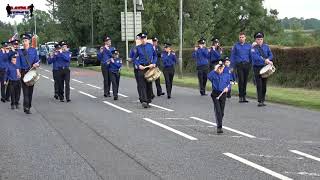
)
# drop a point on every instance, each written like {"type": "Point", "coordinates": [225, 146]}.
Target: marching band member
{"type": "Point", "coordinates": [132, 54]}
{"type": "Point", "coordinates": [201, 55]}
{"type": "Point", "coordinates": [158, 50]}
{"type": "Point", "coordinates": [115, 65]}
{"type": "Point", "coordinates": [52, 60]}
{"type": "Point", "coordinates": [63, 58]}
{"type": "Point", "coordinates": [144, 59]}
{"type": "Point", "coordinates": [241, 60]}
{"type": "Point", "coordinates": [13, 82]}
{"type": "Point", "coordinates": [229, 70]}
{"type": "Point", "coordinates": [261, 55]}
{"type": "Point", "coordinates": [169, 60]}
{"type": "Point", "coordinates": [220, 80]}
{"type": "Point", "coordinates": [27, 58]}
{"type": "Point", "coordinates": [215, 52]}
{"type": "Point", "coordinates": [4, 58]}
{"type": "Point", "coordinates": [104, 55]}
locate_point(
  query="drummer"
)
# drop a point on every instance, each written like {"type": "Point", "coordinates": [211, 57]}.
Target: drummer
{"type": "Point", "coordinates": [261, 55]}
{"type": "Point", "coordinates": [27, 58]}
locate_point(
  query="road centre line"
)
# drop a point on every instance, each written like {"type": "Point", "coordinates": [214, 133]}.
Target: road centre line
{"type": "Point", "coordinates": [305, 155]}
{"type": "Point", "coordinates": [160, 107]}
{"type": "Point", "coordinates": [93, 86]}
{"type": "Point", "coordinates": [171, 129]}
{"type": "Point", "coordinates": [77, 81]}
{"type": "Point", "coordinates": [256, 166]}
{"type": "Point", "coordinates": [225, 127]}
{"type": "Point", "coordinates": [118, 107]}
{"type": "Point", "coordinates": [89, 95]}
{"type": "Point", "coordinates": [44, 76]}
{"type": "Point", "coordinates": [46, 70]}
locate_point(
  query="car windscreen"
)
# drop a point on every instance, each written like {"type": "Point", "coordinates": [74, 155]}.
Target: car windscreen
{"type": "Point", "coordinates": [91, 50]}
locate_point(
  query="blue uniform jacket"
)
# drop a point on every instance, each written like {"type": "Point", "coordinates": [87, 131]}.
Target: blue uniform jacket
{"type": "Point", "coordinates": [4, 60]}
{"type": "Point", "coordinates": [201, 56]}
{"type": "Point", "coordinates": [63, 59]}
{"type": "Point", "coordinates": [232, 74]}
{"type": "Point", "coordinates": [12, 72]}
{"type": "Point", "coordinates": [115, 67]}
{"type": "Point", "coordinates": [52, 60]}
{"type": "Point", "coordinates": [169, 60]}
{"type": "Point", "coordinates": [132, 54]}
{"type": "Point", "coordinates": [257, 59]}
{"type": "Point", "coordinates": [106, 56]}
{"type": "Point", "coordinates": [240, 53]}
{"type": "Point", "coordinates": [33, 58]}
{"type": "Point", "coordinates": [140, 57]}
{"type": "Point", "coordinates": [215, 55]}
{"type": "Point", "coordinates": [219, 81]}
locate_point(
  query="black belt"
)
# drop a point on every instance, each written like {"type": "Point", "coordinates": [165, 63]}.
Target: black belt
{"type": "Point", "coordinates": [61, 68]}
{"type": "Point", "coordinates": [244, 62]}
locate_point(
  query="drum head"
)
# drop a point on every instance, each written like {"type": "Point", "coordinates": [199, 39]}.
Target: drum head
{"type": "Point", "coordinates": [265, 69]}
{"type": "Point", "coordinates": [29, 76]}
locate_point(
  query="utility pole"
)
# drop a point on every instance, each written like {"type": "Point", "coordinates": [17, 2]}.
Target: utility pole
{"type": "Point", "coordinates": [181, 41]}
{"type": "Point", "coordinates": [91, 24]}
{"type": "Point", "coordinates": [134, 16]}
{"type": "Point", "coordinates": [126, 30]}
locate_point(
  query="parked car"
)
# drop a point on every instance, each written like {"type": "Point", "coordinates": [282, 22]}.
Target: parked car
{"type": "Point", "coordinates": [87, 55]}
{"type": "Point", "coordinates": [74, 53]}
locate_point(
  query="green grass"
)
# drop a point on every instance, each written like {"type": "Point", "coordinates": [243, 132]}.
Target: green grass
{"type": "Point", "coordinates": [299, 97]}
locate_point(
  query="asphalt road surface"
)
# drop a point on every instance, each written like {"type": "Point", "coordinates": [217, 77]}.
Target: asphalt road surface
{"type": "Point", "coordinates": [94, 137]}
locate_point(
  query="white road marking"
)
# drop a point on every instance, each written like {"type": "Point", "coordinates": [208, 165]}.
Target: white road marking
{"type": "Point", "coordinates": [46, 70]}
{"type": "Point", "coordinates": [89, 95]}
{"type": "Point", "coordinates": [118, 107]}
{"type": "Point", "coordinates": [271, 156]}
{"type": "Point", "coordinates": [177, 119]}
{"type": "Point", "coordinates": [160, 107]}
{"type": "Point", "coordinates": [303, 173]}
{"type": "Point", "coordinates": [71, 88]}
{"type": "Point", "coordinates": [52, 80]}
{"type": "Point", "coordinates": [40, 67]}
{"type": "Point", "coordinates": [94, 86]}
{"type": "Point", "coordinates": [225, 127]}
{"type": "Point", "coordinates": [256, 166]}
{"type": "Point", "coordinates": [76, 81]}
{"type": "Point", "coordinates": [171, 129]}
{"type": "Point", "coordinates": [122, 95]}
{"type": "Point", "coordinates": [45, 76]}
{"type": "Point", "coordinates": [305, 155]}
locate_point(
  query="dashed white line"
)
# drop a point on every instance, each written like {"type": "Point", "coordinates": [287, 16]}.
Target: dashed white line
{"type": "Point", "coordinates": [171, 129]}
{"type": "Point", "coordinates": [303, 173]}
{"type": "Point", "coordinates": [122, 95]}
{"type": "Point", "coordinates": [160, 107]}
{"type": "Point", "coordinates": [256, 166]}
{"type": "Point", "coordinates": [118, 107]}
{"type": "Point", "coordinates": [305, 155]}
{"type": "Point", "coordinates": [225, 127]}
{"type": "Point", "coordinates": [89, 95]}
{"type": "Point", "coordinates": [46, 70]}
{"type": "Point", "coordinates": [71, 88]}
{"type": "Point", "coordinates": [94, 86]}
{"type": "Point", "coordinates": [52, 80]}
{"type": "Point", "coordinates": [45, 76]}
{"type": "Point", "coordinates": [77, 81]}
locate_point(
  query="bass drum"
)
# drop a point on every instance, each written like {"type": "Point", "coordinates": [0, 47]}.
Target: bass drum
{"type": "Point", "coordinates": [152, 74]}
{"type": "Point", "coordinates": [267, 70]}
{"type": "Point", "coordinates": [31, 77]}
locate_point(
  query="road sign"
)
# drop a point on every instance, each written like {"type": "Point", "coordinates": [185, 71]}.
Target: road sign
{"type": "Point", "coordinates": [130, 24]}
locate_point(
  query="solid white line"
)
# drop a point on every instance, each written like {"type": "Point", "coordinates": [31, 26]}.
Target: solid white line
{"type": "Point", "coordinates": [118, 107]}
{"type": "Point", "coordinates": [76, 80]}
{"type": "Point", "coordinates": [256, 166]}
{"type": "Point", "coordinates": [45, 76]}
{"type": "Point", "coordinates": [87, 94]}
{"type": "Point", "coordinates": [171, 129]}
{"type": "Point", "coordinates": [94, 86]}
{"type": "Point", "coordinates": [225, 127]}
{"type": "Point", "coordinates": [71, 88]}
{"type": "Point", "coordinates": [160, 107]}
{"type": "Point", "coordinates": [305, 155]}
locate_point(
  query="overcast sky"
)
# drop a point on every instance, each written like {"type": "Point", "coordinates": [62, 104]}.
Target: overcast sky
{"type": "Point", "coordinates": [286, 8]}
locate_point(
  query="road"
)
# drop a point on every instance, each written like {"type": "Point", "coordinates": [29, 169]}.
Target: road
{"type": "Point", "coordinates": [94, 137]}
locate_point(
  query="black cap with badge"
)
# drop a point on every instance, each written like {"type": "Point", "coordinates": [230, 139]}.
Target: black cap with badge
{"type": "Point", "coordinates": [259, 35]}
{"type": "Point", "coordinates": [106, 38]}
{"type": "Point", "coordinates": [166, 45]}
{"type": "Point", "coordinates": [62, 43]}
{"type": "Point", "coordinates": [25, 36]}
{"type": "Point", "coordinates": [142, 35]}
{"type": "Point", "coordinates": [5, 44]}
{"type": "Point", "coordinates": [201, 41]}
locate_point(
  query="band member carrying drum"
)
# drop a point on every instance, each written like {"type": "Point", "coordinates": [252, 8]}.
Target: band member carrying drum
{"type": "Point", "coordinates": [240, 59]}
{"type": "Point", "coordinates": [63, 58]}
{"type": "Point", "coordinates": [169, 59]}
{"type": "Point", "coordinates": [144, 59]}
{"type": "Point", "coordinates": [115, 65]}
{"type": "Point", "coordinates": [27, 58]}
{"type": "Point", "coordinates": [261, 56]}
{"type": "Point", "coordinates": [201, 55]}
{"type": "Point", "coordinates": [220, 80]}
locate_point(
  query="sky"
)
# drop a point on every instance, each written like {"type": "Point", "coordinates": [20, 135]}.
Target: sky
{"type": "Point", "coordinates": [286, 8]}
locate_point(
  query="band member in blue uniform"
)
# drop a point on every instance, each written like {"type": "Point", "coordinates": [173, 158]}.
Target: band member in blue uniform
{"type": "Point", "coordinates": [4, 59]}
{"type": "Point", "coordinates": [132, 54]}
{"type": "Point", "coordinates": [13, 82]}
{"type": "Point", "coordinates": [63, 58]}
{"type": "Point", "coordinates": [104, 56]}
{"type": "Point", "coordinates": [241, 60]}
{"type": "Point", "coordinates": [229, 70]}
{"type": "Point", "coordinates": [115, 65]}
{"type": "Point", "coordinates": [220, 80]}
{"type": "Point", "coordinates": [158, 50]}
{"type": "Point", "coordinates": [169, 60]}
{"type": "Point", "coordinates": [215, 53]}
{"type": "Point", "coordinates": [144, 59]}
{"type": "Point", "coordinates": [261, 56]}
{"type": "Point", "coordinates": [201, 55]}
{"type": "Point", "coordinates": [27, 58]}
{"type": "Point", "coordinates": [52, 60]}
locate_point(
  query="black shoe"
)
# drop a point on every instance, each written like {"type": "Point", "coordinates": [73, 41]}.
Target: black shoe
{"type": "Point", "coordinates": [260, 104]}
{"type": "Point", "coordinates": [68, 100]}
{"type": "Point", "coordinates": [245, 100]}
{"type": "Point", "coordinates": [8, 100]}
{"type": "Point", "coordinates": [107, 95]}
{"type": "Point", "coordinates": [161, 94]}
{"type": "Point", "coordinates": [115, 98]}
{"type": "Point", "coordinates": [203, 94]}
{"type": "Point", "coordinates": [169, 97]}
{"type": "Point", "coordinates": [240, 100]}
{"type": "Point", "coordinates": [27, 111]}
{"type": "Point", "coordinates": [144, 105]}
{"type": "Point", "coordinates": [12, 107]}
{"type": "Point", "coordinates": [56, 97]}
{"type": "Point", "coordinates": [152, 96]}
{"type": "Point", "coordinates": [3, 100]}
{"type": "Point", "coordinates": [61, 100]}
{"type": "Point", "coordinates": [219, 130]}
{"type": "Point", "coordinates": [17, 106]}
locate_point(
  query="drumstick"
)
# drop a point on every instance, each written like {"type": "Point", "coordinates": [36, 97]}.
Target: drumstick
{"type": "Point", "coordinates": [221, 93]}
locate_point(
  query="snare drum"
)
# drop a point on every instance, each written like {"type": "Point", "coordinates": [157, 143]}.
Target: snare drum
{"type": "Point", "coordinates": [267, 70]}
{"type": "Point", "coordinates": [31, 77]}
